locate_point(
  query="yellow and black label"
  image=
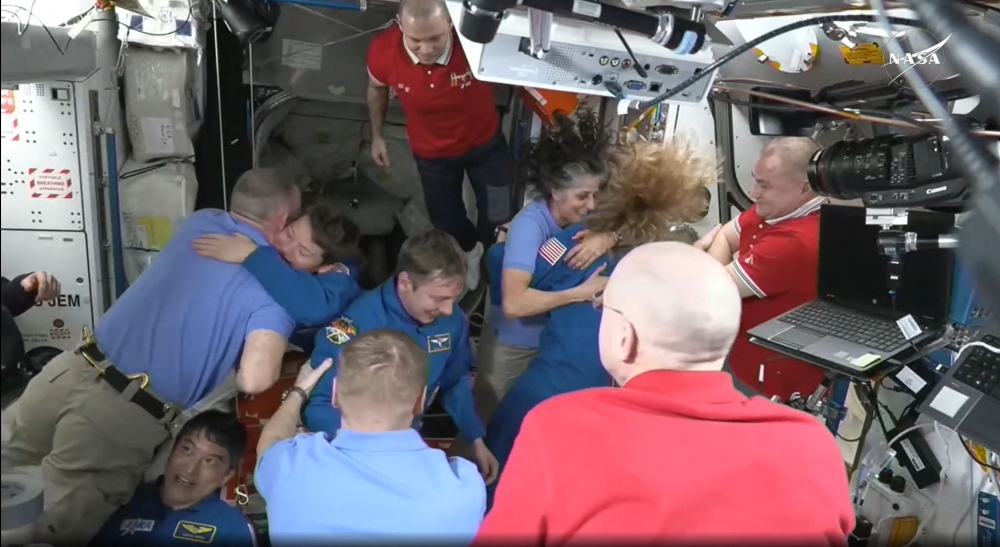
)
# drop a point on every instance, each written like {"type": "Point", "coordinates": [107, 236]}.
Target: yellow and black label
{"type": "Point", "coordinates": [863, 54]}
{"type": "Point", "coordinates": [195, 532]}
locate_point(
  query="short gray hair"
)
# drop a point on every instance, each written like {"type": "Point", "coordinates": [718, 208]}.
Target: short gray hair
{"type": "Point", "coordinates": [260, 193]}
{"type": "Point", "coordinates": [795, 154]}
{"type": "Point", "coordinates": [421, 10]}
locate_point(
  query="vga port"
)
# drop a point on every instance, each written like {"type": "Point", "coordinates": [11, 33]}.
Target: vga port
{"type": "Point", "coordinates": [635, 85]}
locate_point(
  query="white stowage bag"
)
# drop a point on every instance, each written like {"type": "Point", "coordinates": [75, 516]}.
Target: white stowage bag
{"type": "Point", "coordinates": [160, 105]}
{"type": "Point", "coordinates": [155, 199]}
{"type": "Point", "coordinates": [400, 178]}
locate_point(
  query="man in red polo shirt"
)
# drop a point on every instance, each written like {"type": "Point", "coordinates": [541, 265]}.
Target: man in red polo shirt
{"type": "Point", "coordinates": [452, 123]}
{"type": "Point", "coordinates": [676, 456]}
{"type": "Point", "coordinates": [772, 252]}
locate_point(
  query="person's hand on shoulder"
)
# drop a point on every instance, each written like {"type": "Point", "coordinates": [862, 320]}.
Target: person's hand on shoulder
{"type": "Point", "coordinates": [589, 248]}
{"type": "Point", "coordinates": [233, 249]}
{"type": "Point", "coordinates": [43, 284]}
{"type": "Point", "coordinates": [488, 465]}
{"type": "Point", "coordinates": [308, 376]}
{"type": "Point", "coordinates": [705, 241]}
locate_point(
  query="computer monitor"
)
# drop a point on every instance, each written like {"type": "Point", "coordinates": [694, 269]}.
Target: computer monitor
{"type": "Point", "coordinates": [852, 271]}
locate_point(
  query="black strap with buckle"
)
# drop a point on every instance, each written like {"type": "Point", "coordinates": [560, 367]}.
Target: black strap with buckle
{"type": "Point", "coordinates": [119, 381]}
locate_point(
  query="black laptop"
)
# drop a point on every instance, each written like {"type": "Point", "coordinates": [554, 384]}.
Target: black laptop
{"type": "Point", "coordinates": [851, 327]}
{"type": "Point", "coordinates": [967, 400]}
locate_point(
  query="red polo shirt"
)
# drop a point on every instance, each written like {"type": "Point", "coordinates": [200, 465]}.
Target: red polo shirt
{"type": "Point", "coordinates": [449, 113]}
{"type": "Point", "coordinates": [673, 458]}
{"type": "Point", "coordinates": [779, 262]}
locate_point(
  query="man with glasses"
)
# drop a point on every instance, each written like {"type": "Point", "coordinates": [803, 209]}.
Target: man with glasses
{"type": "Point", "coordinates": [676, 451]}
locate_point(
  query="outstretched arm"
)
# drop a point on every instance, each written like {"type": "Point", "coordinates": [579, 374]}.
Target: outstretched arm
{"type": "Point", "coordinates": [311, 299]}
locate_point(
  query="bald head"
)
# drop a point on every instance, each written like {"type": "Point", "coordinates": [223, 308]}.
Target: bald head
{"type": "Point", "coordinates": [668, 306]}
{"type": "Point", "coordinates": [792, 154]}
{"type": "Point", "coordinates": [426, 28]}
{"type": "Point", "coordinates": [420, 10]}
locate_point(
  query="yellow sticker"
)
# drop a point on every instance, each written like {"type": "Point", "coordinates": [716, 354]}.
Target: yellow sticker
{"type": "Point", "coordinates": [863, 54]}
{"type": "Point", "coordinates": [867, 360]}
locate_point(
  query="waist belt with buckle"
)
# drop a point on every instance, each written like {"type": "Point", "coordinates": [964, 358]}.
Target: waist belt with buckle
{"type": "Point", "coordinates": [120, 382]}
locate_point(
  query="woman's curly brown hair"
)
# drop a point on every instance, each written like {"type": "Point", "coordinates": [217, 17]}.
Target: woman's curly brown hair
{"type": "Point", "coordinates": [657, 187]}
{"type": "Point", "coordinates": [568, 150]}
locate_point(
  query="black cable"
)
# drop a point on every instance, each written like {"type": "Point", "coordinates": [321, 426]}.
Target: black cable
{"type": "Point", "coordinates": [635, 62]}
{"type": "Point", "coordinates": [740, 50]}
{"type": "Point", "coordinates": [30, 17]}
{"type": "Point", "coordinates": [848, 113]}
{"type": "Point", "coordinates": [920, 354]}
{"type": "Point", "coordinates": [965, 445]}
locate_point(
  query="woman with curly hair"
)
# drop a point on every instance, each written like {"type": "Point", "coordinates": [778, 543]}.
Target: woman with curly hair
{"type": "Point", "coordinates": [659, 187]}
{"type": "Point", "coordinates": [565, 170]}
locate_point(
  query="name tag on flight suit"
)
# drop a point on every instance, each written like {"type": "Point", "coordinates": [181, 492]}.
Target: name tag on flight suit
{"type": "Point", "coordinates": [196, 532]}
{"type": "Point", "coordinates": [439, 343]}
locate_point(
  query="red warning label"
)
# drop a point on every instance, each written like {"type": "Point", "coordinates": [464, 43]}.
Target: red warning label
{"type": "Point", "coordinates": [8, 116]}
{"type": "Point", "coordinates": [7, 104]}
{"type": "Point", "coordinates": [50, 184]}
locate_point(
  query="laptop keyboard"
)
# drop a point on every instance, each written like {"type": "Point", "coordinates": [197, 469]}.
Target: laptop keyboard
{"type": "Point", "coordinates": [981, 368]}
{"type": "Point", "coordinates": [880, 334]}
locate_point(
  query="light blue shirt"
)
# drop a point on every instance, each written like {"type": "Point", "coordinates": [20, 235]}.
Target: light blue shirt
{"type": "Point", "coordinates": [375, 488]}
{"type": "Point", "coordinates": [529, 230]}
{"type": "Point", "coordinates": [184, 320]}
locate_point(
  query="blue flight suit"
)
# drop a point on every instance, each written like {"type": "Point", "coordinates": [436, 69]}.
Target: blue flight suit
{"type": "Point", "coordinates": [568, 357]}
{"type": "Point", "coordinates": [144, 520]}
{"type": "Point", "coordinates": [446, 341]}
{"type": "Point", "coordinates": [310, 299]}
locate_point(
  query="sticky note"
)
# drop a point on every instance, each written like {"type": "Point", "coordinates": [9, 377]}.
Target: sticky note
{"type": "Point", "coordinates": [866, 360]}
{"type": "Point", "coordinates": [949, 401]}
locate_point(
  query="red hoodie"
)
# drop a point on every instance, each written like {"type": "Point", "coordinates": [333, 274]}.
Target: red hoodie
{"type": "Point", "coordinates": [671, 458]}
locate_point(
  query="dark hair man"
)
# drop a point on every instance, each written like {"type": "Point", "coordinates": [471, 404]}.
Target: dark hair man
{"type": "Point", "coordinates": [185, 505]}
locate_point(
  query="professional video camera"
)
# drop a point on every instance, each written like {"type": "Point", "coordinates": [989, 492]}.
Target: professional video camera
{"type": "Point", "coordinates": [481, 20]}
{"type": "Point", "coordinates": [891, 174]}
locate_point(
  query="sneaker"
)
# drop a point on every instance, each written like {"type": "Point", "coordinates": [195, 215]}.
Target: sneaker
{"type": "Point", "coordinates": [474, 269]}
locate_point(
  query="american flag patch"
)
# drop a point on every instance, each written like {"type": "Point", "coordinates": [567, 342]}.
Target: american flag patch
{"type": "Point", "coordinates": [552, 251]}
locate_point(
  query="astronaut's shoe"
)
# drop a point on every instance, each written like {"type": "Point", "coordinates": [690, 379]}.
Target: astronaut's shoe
{"type": "Point", "coordinates": [473, 263]}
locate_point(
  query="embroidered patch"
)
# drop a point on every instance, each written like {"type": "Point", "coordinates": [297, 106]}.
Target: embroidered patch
{"type": "Point", "coordinates": [439, 343]}
{"type": "Point", "coordinates": [195, 532]}
{"type": "Point", "coordinates": [340, 331]}
{"type": "Point", "coordinates": [552, 251]}
{"type": "Point", "coordinates": [131, 526]}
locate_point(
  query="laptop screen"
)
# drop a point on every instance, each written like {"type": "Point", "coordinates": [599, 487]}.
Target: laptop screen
{"type": "Point", "coordinates": [854, 274]}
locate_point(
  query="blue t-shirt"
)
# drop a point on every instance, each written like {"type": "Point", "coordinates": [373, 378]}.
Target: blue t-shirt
{"type": "Point", "coordinates": [448, 349]}
{"type": "Point", "coordinates": [185, 319]}
{"type": "Point", "coordinates": [529, 230]}
{"type": "Point", "coordinates": [376, 488]}
{"type": "Point", "coordinates": [144, 520]}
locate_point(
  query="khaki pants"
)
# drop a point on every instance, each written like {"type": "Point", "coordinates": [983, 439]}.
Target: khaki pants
{"type": "Point", "coordinates": [498, 365]}
{"type": "Point", "coordinates": [92, 444]}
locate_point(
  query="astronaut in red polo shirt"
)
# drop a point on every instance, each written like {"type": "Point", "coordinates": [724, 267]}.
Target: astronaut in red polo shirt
{"type": "Point", "coordinates": [452, 123]}
{"type": "Point", "coordinates": [772, 252]}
